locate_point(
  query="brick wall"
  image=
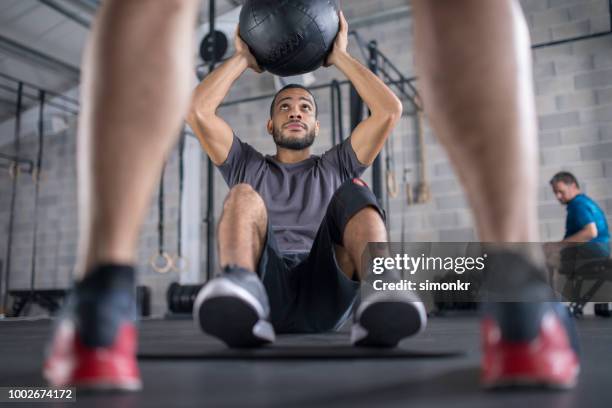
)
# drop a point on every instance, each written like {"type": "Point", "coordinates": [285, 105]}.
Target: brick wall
{"type": "Point", "coordinates": [573, 84]}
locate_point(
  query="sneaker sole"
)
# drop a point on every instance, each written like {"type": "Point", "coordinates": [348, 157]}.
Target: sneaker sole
{"type": "Point", "coordinates": [385, 323]}
{"type": "Point", "coordinates": [234, 321]}
{"type": "Point", "coordinates": [232, 314]}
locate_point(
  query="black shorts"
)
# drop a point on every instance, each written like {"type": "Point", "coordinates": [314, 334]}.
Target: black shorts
{"type": "Point", "coordinates": [308, 291]}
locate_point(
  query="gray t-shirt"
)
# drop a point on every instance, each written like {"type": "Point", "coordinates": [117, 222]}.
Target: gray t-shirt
{"type": "Point", "coordinates": [296, 195]}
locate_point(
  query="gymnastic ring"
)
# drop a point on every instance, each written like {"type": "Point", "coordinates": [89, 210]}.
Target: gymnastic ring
{"type": "Point", "coordinates": [164, 267]}
{"type": "Point", "coordinates": [179, 264]}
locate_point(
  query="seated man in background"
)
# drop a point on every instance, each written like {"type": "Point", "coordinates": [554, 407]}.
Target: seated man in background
{"type": "Point", "coordinates": [585, 223]}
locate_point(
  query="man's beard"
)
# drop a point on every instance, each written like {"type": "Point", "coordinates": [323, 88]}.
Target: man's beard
{"type": "Point", "coordinates": [293, 143]}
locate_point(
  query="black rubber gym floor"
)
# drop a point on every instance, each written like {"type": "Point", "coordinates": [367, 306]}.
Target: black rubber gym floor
{"type": "Point", "coordinates": [439, 368]}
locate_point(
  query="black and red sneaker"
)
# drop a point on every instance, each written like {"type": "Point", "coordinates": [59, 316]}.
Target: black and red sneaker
{"type": "Point", "coordinates": [529, 344]}
{"type": "Point", "coordinates": [95, 340]}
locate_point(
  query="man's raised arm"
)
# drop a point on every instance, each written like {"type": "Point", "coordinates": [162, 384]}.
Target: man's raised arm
{"type": "Point", "coordinates": [214, 133]}
{"type": "Point", "coordinates": [369, 136]}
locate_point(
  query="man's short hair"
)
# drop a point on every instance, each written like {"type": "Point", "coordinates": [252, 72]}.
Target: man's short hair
{"type": "Point", "coordinates": [294, 86]}
{"type": "Point", "coordinates": [565, 177]}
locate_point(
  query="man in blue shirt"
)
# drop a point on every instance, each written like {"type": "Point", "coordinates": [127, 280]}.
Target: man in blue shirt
{"type": "Point", "coordinates": [585, 221]}
{"type": "Point", "coordinates": [587, 237]}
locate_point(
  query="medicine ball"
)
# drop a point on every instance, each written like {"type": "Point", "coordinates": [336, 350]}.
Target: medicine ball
{"type": "Point", "coordinates": [289, 37]}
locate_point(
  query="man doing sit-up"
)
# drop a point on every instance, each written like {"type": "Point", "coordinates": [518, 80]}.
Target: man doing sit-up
{"type": "Point", "coordinates": [294, 225]}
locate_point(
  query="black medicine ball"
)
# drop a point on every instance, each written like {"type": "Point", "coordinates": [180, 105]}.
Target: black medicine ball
{"type": "Point", "coordinates": [289, 37]}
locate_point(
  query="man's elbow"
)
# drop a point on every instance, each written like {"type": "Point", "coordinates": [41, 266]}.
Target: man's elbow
{"type": "Point", "coordinates": [396, 111]}
{"type": "Point", "coordinates": [197, 114]}
{"type": "Point", "coordinates": [390, 114]}
{"type": "Point", "coordinates": [592, 231]}
{"type": "Point", "coordinates": [587, 233]}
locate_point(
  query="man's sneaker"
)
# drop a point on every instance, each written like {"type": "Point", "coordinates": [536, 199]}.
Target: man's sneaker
{"type": "Point", "coordinates": [533, 344]}
{"type": "Point", "coordinates": [234, 308]}
{"type": "Point", "coordinates": [382, 319]}
{"type": "Point", "coordinates": [95, 341]}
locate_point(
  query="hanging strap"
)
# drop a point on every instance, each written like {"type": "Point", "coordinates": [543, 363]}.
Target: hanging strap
{"type": "Point", "coordinates": [423, 192]}
{"type": "Point", "coordinates": [179, 262]}
{"type": "Point", "coordinates": [390, 168]}
{"type": "Point", "coordinates": [161, 262]}
{"type": "Point", "coordinates": [407, 186]}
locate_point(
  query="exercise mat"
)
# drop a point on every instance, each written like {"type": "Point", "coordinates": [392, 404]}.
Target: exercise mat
{"type": "Point", "coordinates": [176, 339]}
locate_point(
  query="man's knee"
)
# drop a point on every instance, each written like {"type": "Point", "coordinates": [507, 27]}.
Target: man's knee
{"type": "Point", "coordinates": [351, 188]}
{"type": "Point", "coordinates": [359, 182]}
{"type": "Point", "coordinates": [245, 198]}
{"type": "Point", "coordinates": [352, 193]}
{"type": "Point", "coordinates": [351, 197]}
